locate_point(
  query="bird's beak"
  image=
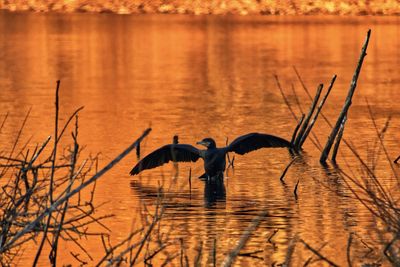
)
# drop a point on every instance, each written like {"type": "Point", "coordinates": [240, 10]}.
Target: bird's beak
{"type": "Point", "coordinates": [202, 143]}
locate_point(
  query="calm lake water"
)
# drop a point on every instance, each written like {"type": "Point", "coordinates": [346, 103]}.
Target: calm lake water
{"type": "Point", "coordinates": [208, 77]}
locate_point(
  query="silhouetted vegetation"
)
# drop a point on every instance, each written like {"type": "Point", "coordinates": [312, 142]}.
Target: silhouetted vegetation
{"type": "Point", "coordinates": [366, 185]}
{"type": "Point", "coordinates": [41, 200]}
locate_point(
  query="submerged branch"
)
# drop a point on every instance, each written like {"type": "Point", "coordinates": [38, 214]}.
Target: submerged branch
{"type": "Point", "coordinates": [347, 104]}
{"type": "Point", "coordinates": [230, 258]}
{"type": "Point", "coordinates": [302, 135]}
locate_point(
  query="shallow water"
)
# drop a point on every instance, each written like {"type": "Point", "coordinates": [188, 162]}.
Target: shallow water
{"type": "Point", "coordinates": [208, 76]}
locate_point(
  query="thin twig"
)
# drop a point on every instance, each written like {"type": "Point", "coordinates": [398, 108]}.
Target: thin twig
{"type": "Point", "coordinates": [381, 141]}
{"type": "Point", "coordinates": [17, 140]}
{"type": "Point", "coordinates": [302, 83]}
{"type": "Point", "coordinates": [284, 97]}
{"type": "Point", "coordinates": [286, 169]}
{"type": "Point", "coordinates": [112, 249]}
{"type": "Point", "coordinates": [4, 121]}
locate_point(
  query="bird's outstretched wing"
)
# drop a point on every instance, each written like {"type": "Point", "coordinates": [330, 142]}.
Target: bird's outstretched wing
{"type": "Point", "coordinates": [165, 154]}
{"type": "Point", "coordinates": [252, 141]}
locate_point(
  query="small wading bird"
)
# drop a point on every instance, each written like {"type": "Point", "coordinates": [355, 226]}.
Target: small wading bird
{"type": "Point", "coordinates": [214, 158]}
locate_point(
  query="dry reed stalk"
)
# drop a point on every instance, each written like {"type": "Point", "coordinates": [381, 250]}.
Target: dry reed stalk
{"type": "Point", "coordinates": [373, 195]}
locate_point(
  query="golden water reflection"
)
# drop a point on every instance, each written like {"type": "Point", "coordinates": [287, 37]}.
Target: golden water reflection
{"type": "Point", "coordinates": [199, 77]}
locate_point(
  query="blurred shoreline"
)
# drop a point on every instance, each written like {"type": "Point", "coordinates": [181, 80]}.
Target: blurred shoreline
{"type": "Point", "coordinates": [215, 7]}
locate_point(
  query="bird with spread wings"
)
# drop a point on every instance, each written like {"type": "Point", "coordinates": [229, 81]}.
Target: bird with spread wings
{"type": "Point", "coordinates": [214, 157]}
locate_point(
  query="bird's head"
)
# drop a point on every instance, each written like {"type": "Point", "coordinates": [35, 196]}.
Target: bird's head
{"type": "Point", "coordinates": [208, 143]}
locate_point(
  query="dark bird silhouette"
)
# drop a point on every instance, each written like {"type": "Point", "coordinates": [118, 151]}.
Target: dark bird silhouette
{"type": "Point", "coordinates": [214, 158]}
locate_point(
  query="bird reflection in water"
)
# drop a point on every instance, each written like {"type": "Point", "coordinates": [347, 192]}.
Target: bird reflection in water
{"type": "Point", "coordinates": [214, 191]}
